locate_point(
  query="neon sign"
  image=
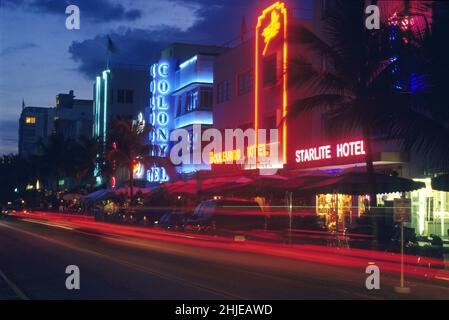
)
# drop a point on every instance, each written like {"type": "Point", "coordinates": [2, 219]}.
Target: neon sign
{"type": "Point", "coordinates": [160, 88]}
{"type": "Point", "coordinates": [233, 156]}
{"type": "Point", "coordinates": [138, 170]}
{"type": "Point", "coordinates": [272, 30]}
{"type": "Point", "coordinates": [271, 24]}
{"type": "Point", "coordinates": [326, 152]}
{"type": "Point", "coordinates": [157, 174]}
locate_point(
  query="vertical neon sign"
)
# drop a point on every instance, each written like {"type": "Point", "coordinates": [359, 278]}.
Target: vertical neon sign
{"type": "Point", "coordinates": [271, 26]}
{"type": "Point", "coordinates": [159, 117]}
{"type": "Point", "coordinates": [105, 104]}
{"type": "Point", "coordinates": [160, 105]}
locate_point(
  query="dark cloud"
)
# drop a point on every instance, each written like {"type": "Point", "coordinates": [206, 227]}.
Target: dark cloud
{"type": "Point", "coordinates": [219, 24]}
{"type": "Point", "coordinates": [95, 10]}
{"type": "Point", "coordinates": [135, 47]}
{"type": "Point", "coordinates": [16, 48]}
{"type": "Point", "coordinates": [11, 3]}
{"type": "Point", "coordinates": [220, 21]}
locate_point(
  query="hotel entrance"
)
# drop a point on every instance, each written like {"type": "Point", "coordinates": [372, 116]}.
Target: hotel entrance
{"type": "Point", "coordinates": [335, 210]}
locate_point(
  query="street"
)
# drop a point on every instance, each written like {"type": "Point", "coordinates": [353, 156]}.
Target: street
{"type": "Point", "coordinates": [117, 265]}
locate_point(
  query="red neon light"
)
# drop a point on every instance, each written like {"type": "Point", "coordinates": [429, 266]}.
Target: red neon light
{"type": "Point", "coordinates": [270, 32]}
{"type": "Point", "coordinates": [341, 150]}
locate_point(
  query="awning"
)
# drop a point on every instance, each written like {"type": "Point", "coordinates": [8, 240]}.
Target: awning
{"type": "Point", "coordinates": [358, 183]}
{"type": "Point", "coordinates": [127, 190]}
{"type": "Point", "coordinates": [197, 186]}
{"type": "Point", "coordinates": [441, 183]}
{"type": "Point", "coordinates": [98, 195]}
{"type": "Point", "coordinates": [71, 196]}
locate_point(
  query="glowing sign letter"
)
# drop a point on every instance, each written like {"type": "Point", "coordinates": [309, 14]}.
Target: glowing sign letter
{"type": "Point", "coordinates": [271, 30]}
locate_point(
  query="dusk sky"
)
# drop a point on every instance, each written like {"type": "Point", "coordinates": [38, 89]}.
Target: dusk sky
{"type": "Point", "coordinates": [40, 58]}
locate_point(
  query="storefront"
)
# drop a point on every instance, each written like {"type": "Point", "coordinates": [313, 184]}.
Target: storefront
{"type": "Point", "coordinates": [303, 144]}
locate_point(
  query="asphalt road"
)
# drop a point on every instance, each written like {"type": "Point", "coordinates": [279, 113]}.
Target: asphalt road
{"type": "Point", "coordinates": [34, 256]}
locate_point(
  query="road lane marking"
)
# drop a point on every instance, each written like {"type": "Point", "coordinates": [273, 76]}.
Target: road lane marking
{"type": "Point", "coordinates": [50, 224]}
{"type": "Point", "coordinates": [137, 267]}
{"type": "Point", "coordinates": [13, 287]}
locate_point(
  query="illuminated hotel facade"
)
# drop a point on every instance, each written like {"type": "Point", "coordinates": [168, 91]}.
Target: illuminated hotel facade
{"type": "Point", "coordinates": [252, 91]}
{"type": "Point", "coordinates": [181, 96]}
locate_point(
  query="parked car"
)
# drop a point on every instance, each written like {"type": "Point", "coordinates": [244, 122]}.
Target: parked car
{"type": "Point", "coordinates": [227, 214]}
{"type": "Point", "coordinates": [173, 220]}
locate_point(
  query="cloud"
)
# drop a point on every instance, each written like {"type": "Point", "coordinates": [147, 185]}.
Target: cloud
{"type": "Point", "coordinates": [17, 48]}
{"type": "Point", "coordinates": [218, 23]}
{"type": "Point", "coordinates": [135, 47]}
{"type": "Point", "coordinates": [98, 10]}
{"type": "Point", "coordinates": [11, 3]}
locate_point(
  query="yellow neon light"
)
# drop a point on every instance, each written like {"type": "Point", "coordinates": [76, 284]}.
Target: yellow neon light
{"type": "Point", "coordinates": [271, 30]}
{"type": "Point", "coordinates": [268, 36]}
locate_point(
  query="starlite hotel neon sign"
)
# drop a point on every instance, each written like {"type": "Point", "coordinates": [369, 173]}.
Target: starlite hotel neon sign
{"type": "Point", "coordinates": [159, 117]}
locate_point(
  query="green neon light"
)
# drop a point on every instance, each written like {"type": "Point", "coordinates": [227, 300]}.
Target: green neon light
{"type": "Point", "coordinates": [96, 128]}
{"type": "Point", "coordinates": [105, 101]}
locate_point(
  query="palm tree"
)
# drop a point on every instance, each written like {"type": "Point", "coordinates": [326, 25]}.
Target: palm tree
{"type": "Point", "coordinates": [356, 80]}
{"type": "Point", "coordinates": [128, 145]}
{"type": "Point", "coordinates": [86, 159]}
{"type": "Point", "coordinates": [423, 125]}
{"type": "Point", "coordinates": [58, 157]}
{"type": "Point", "coordinates": [357, 89]}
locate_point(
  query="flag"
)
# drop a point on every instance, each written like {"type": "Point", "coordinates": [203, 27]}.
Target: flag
{"type": "Point", "coordinates": [243, 29]}
{"type": "Point", "coordinates": [111, 46]}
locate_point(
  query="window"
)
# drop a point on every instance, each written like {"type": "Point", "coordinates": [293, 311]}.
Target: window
{"type": "Point", "coordinates": [224, 91]}
{"type": "Point", "coordinates": [30, 120]}
{"type": "Point", "coordinates": [129, 96]}
{"type": "Point", "coordinates": [206, 99]}
{"type": "Point", "coordinates": [191, 100]}
{"type": "Point", "coordinates": [244, 81]}
{"type": "Point", "coordinates": [269, 70]}
{"type": "Point", "coordinates": [178, 105]}
{"type": "Point", "coordinates": [120, 96]}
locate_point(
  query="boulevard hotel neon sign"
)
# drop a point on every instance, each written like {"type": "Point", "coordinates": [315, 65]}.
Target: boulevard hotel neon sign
{"type": "Point", "coordinates": [328, 152]}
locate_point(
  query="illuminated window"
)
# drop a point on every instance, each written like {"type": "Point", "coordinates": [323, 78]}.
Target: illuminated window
{"type": "Point", "coordinates": [191, 100]}
{"type": "Point", "coordinates": [30, 120]}
{"type": "Point", "coordinates": [244, 81]}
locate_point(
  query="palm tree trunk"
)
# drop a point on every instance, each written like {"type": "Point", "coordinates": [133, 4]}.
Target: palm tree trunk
{"type": "Point", "coordinates": [131, 181]}
{"type": "Point", "coordinates": [371, 186]}
{"type": "Point", "coordinates": [370, 168]}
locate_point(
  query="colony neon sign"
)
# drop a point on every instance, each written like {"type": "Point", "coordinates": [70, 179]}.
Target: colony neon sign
{"type": "Point", "coordinates": [271, 26]}
{"type": "Point", "coordinates": [327, 152]}
{"type": "Point", "coordinates": [160, 105]}
{"type": "Point", "coordinates": [159, 118]}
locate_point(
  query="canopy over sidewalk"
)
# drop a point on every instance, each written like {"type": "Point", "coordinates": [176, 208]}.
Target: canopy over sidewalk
{"type": "Point", "coordinates": [441, 183]}
{"type": "Point", "coordinates": [358, 183]}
